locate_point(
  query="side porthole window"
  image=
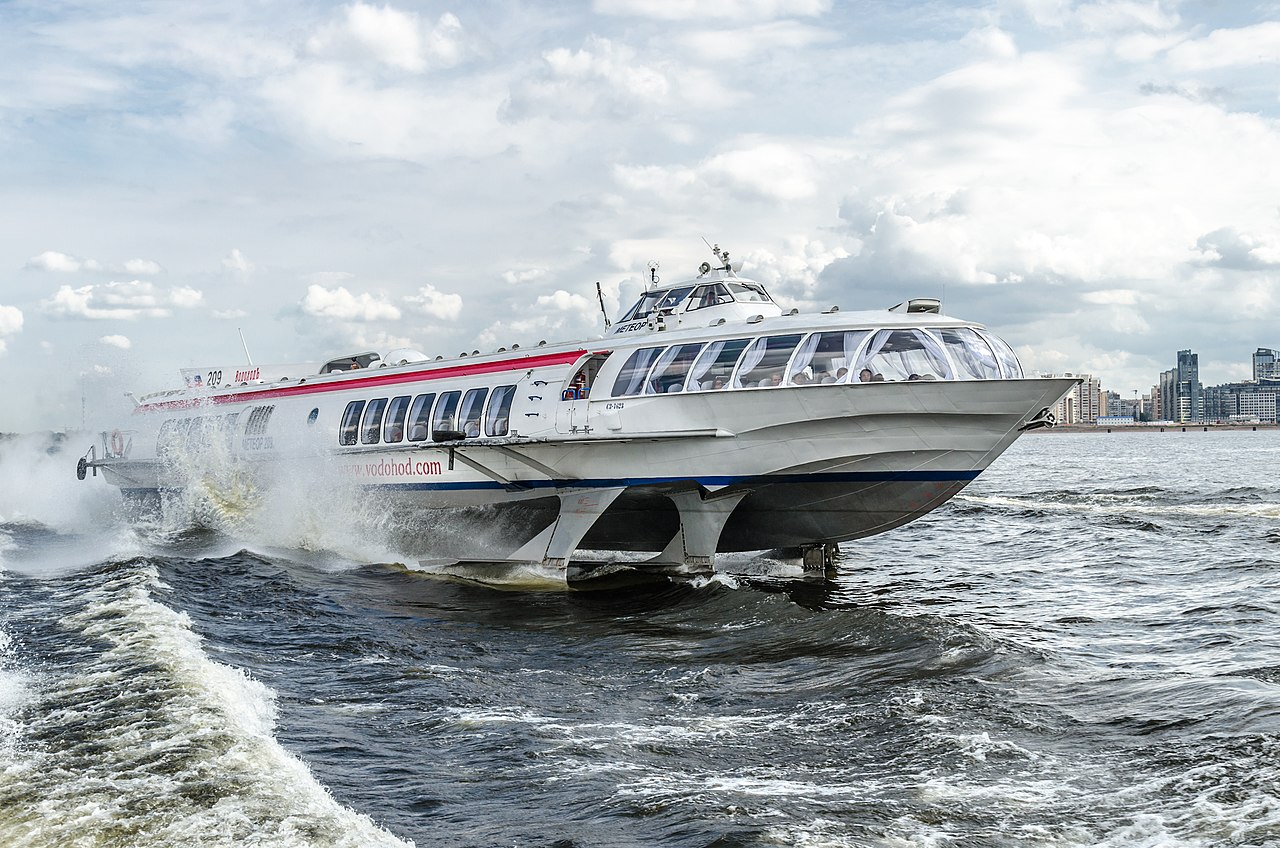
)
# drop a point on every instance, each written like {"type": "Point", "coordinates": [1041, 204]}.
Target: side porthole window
{"type": "Point", "coordinates": [311, 419]}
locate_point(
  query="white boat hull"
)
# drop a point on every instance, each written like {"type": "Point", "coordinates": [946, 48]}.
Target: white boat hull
{"type": "Point", "coordinates": [796, 467]}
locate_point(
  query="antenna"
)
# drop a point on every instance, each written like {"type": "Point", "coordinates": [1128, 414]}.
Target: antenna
{"type": "Point", "coordinates": [654, 279]}
{"type": "Point", "coordinates": [721, 255]}
{"type": "Point", "coordinates": [247, 355]}
{"type": "Point", "coordinates": [603, 311]}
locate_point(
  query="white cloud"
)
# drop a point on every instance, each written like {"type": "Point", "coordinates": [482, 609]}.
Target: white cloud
{"type": "Point", "coordinates": [121, 342]}
{"type": "Point", "coordinates": [10, 323]}
{"type": "Point", "coordinates": [1226, 247]}
{"type": "Point", "coordinates": [523, 275]}
{"type": "Point", "coordinates": [733, 10]}
{"type": "Point", "coordinates": [341, 305]}
{"type": "Point", "coordinates": [120, 300]}
{"type": "Point", "coordinates": [749, 44]}
{"type": "Point", "coordinates": [52, 260]}
{"type": "Point", "coordinates": [237, 263]}
{"type": "Point", "coordinates": [1253, 45]}
{"type": "Point", "coordinates": [608, 78]}
{"type": "Point", "coordinates": [777, 171]}
{"type": "Point", "coordinates": [141, 267]}
{"type": "Point", "coordinates": [434, 303]}
{"type": "Point", "coordinates": [401, 40]}
{"type": "Point", "coordinates": [344, 112]}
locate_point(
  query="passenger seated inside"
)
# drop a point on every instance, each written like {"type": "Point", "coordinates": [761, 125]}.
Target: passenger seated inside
{"type": "Point", "coordinates": [772, 381]}
{"type": "Point", "coordinates": [877, 378]}
{"type": "Point", "coordinates": [800, 378]}
{"type": "Point", "coordinates": [865, 375]}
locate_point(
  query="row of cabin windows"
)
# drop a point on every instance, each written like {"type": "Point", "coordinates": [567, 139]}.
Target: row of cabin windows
{"type": "Point", "coordinates": [452, 415]}
{"type": "Point", "coordinates": [202, 431]}
{"type": "Point", "coordinates": [796, 359]}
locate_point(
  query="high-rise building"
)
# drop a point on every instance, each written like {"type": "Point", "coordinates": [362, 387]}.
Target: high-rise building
{"type": "Point", "coordinates": [1265, 366]}
{"type": "Point", "coordinates": [1188, 387]}
{"type": "Point", "coordinates": [1084, 403]}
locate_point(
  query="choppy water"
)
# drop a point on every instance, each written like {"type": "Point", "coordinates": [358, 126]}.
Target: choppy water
{"type": "Point", "coordinates": [1083, 649]}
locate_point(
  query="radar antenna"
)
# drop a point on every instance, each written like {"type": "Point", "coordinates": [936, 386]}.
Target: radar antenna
{"type": "Point", "coordinates": [654, 279]}
{"type": "Point", "coordinates": [721, 255]}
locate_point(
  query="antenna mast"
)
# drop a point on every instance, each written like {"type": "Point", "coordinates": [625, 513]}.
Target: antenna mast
{"type": "Point", "coordinates": [603, 311]}
{"type": "Point", "coordinates": [245, 346]}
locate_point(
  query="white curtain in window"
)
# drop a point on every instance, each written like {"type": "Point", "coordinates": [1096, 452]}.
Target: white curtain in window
{"type": "Point", "coordinates": [651, 388]}
{"type": "Point", "coordinates": [639, 371]}
{"type": "Point", "coordinates": [704, 363]}
{"type": "Point", "coordinates": [803, 356]}
{"type": "Point", "coordinates": [852, 338]}
{"type": "Point", "coordinates": [750, 359]}
{"type": "Point", "coordinates": [877, 344]}
{"type": "Point", "coordinates": [936, 352]}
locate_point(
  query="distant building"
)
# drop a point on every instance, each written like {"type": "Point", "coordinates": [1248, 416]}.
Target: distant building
{"type": "Point", "coordinates": [1084, 403]}
{"type": "Point", "coordinates": [1118, 407]}
{"type": "Point", "coordinates": [1188, 387]}
{"type": "Point", "coordinates": [1247, 402]}
{"type": "Point", "coordinates": [1265, 366]}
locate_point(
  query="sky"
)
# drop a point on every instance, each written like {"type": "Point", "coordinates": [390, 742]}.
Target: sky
{"type": "Point", "coordinates": [1098, 182]}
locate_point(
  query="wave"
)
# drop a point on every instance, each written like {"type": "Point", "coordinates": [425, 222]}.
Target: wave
{"type": "Point", "coordinates": [133, 735]}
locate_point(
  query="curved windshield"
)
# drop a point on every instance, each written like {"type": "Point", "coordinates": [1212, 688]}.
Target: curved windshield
{"type": "Point", "coordinates": [973, 357]}
{"type": "Point", "coordinates": [909, 354]}
{"type": "Point", "coordinates": [644, 306]}
{"type": "Point", "coordinates": [1008, 361]}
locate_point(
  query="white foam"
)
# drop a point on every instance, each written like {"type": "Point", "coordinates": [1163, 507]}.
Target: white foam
{"type": "Point", "coordinates": [182, 753]}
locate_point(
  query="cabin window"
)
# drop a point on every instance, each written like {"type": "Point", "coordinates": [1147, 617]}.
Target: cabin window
{"type": "Point", "coordinates": [765, 361]}
{"type": "Point", "coordinates": [470, 411]}
{"type": "Point", "coordinates": [350, 428]}
{"type": "Point", "coordinates": [393, 428]}
{"type": "Point", "coordinates": [673, 298]}
{"type": "Point", "coordinates": [749, 294]}
{"type": "Point", "coordinates": [1008, 361]}
{"type": "Point", "coordinates": [255, 429]}
{"type": "Point", "coordinates": [497, 419]}
{"type": "Point", "coordinates": [228, 426]}
{"type": "Point", "coordinates": [420, 417]}
{"type": "Point", "coordinates": [712, 295]}
{"type": "Point", "coordinates": [631, 378]}
{"type": "Point", "coordinates": [825, 357]}
{"type": "Point", "coordinates": [644, 306]}
{"type": "Point", "coordinates": [167, 438]}
{"type": "Point", "coordinates": [671, 369]}
{"type": "Point", "coordinates": [713, 368]}
{"type": "Point", "coordinates": [902, 355]}
{"type": "Point", "coordinates": [371, 428]}
{"type": "Point", "coordinates": [973, 357]}
{"type": "Point", "coordinates": [445, 419]}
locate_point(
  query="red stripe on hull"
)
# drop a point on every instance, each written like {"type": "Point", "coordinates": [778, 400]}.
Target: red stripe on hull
{"type": "Point", "coordinates": [468, 370]}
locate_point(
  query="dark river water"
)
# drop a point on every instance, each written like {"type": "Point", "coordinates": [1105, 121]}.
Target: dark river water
{"type": "Point", "coordinates": [1082, 649]}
